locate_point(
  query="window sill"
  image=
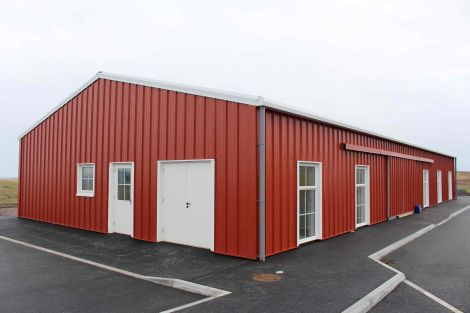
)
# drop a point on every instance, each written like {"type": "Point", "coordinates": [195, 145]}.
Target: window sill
{"type": "Point", "coordinates": [362, 225]}
{"type": "Point", "coordinates": [305, 240]}
{"type": "Point", "coordinates": [85, 194]}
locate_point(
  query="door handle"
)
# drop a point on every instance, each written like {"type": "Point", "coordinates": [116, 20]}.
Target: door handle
{"type": "Point", "coordinates": [188, 204]}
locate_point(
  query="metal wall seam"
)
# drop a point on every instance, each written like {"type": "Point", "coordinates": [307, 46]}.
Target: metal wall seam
{"type": "Point", "coordinates": [119, 122]}
{"type": "Point", "coordinates": [262, 181]}
{"type": "Point", "coordinates": [396, 177]}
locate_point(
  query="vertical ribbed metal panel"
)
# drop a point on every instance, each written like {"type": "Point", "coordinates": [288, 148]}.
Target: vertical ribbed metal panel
{"type": "Point", "coordinates": [119, 122]}
{"type": "Point", "coordinates": [290, 139]}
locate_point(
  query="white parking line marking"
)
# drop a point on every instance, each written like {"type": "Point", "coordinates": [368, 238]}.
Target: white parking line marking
{"type": "Point", "coordinates": [430, 295]}
{"type": "Point", "coordinates": [184, 306]}
{"type": "Point", "coordinates": [370, 300]}
{"type": "Point", "coordinates": [211, 293]}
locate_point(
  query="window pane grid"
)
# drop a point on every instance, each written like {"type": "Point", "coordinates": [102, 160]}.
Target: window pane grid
{"type": "Point", "coordinates": [307, 189]}
{"type": "Point", "coordinates": [85, 181]}
{"type": "Point", "coordinates": [361, 194]}
{"type": "Point", "coordinates": [124, 184]}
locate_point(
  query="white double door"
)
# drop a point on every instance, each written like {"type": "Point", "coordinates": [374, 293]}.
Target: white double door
{"type": "Point", "coordinates": [186, 203]}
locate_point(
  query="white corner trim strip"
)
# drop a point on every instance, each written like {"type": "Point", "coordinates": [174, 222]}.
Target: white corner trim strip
{"type": "Point", "coordinates": [430, 295]}
{"type": "Point", "coordinates": [371, 299]}
{"type": "Point", "coordinates": [169, 282]}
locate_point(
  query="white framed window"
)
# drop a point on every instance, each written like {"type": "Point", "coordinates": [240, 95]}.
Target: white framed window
{"type": "Point", "coordinates": [309, 205]}
{"type": "Point", "coordinates": [86, 180]}
{"type": "Point", "coordinates": [362, 196]}
{"type": "Point", "coordinates": [439, 186]}
{"type": "Point", "coordinates": [449, 183]}
{"type": "Point", "coordinates": [425, 188]}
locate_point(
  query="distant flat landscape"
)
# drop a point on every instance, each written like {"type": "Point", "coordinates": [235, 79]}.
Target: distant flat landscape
{"type": "Point", "coordinates": [9, 189]}
{"type": "Point", "coordinates": [463, 183]}
{"type": "Point", "coordinates": [8, 192]}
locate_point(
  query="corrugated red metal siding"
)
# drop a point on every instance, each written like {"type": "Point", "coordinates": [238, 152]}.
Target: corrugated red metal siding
{"type": "Point", "coordinates": [290, 139]}
{"type": "Point", "coordinates": [118, 122]}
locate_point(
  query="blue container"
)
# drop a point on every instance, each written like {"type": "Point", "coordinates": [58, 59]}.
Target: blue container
{"type": "Point", "coordinates": [418, 209]}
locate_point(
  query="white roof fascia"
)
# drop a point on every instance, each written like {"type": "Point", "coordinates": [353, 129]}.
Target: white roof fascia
{"type": "Point", "coordinates": [194, 90]}
{"type": "Point", "coordinates": [278, 106]}
{"type": "Point", "coordinates": [61, 104]}
{"type": "Point", "coordinates": [217, 94]}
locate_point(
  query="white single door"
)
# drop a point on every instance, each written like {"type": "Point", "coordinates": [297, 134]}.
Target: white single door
{"type": "Point", "coordinates": [449, 182]}
{"type": "Point", "coordinates": [362, 196]}
{"type": "Point", "coordinates": [121, 213]}
{"type": "Point", "coordinates": [425, 188]}
{"type": "Point", "coordinates": [186, 203]}
{"type": "Point", "coordinates": [439, 186]}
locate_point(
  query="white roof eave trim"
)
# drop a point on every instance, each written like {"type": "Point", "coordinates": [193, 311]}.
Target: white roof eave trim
{"type": "Point", "coordinates": [61, 104]}
{"type": "Point", "coordinates": [189, 89]}
{"type": "Point", "coordinates": [278, 106]}
{"type": "Point", "coordinates": [217, 94]}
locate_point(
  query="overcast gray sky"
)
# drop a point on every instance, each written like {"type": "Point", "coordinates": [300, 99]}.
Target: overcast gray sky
{"type": "Point", "coordinates": [400, 68]}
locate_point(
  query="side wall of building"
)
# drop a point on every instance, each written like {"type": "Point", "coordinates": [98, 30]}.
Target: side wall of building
{"type": "Point", "coordinates": [119, 122]}
{"type": "Point", "coordinates": [291, 139]}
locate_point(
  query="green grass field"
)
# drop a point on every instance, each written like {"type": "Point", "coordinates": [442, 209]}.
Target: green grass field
{"type": "Point", "coordinates": [8, 191]}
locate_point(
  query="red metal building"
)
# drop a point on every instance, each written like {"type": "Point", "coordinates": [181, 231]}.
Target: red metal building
{"type": "Point", "coordinates": [233, 173]}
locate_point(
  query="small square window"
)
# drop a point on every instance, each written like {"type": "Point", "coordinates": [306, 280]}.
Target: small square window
{"type": "Point", "coordinates": [86, 180]}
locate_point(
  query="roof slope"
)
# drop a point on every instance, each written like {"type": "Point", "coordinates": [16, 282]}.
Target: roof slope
{"type": "Point", "coordinates": [219, 94]}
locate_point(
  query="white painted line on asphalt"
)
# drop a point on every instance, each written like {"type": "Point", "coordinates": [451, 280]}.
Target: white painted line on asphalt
{"type": "Point", "coordinates": [372, 298]}
{"type": "Point", "coordinates": [453, 215]}
{"type": "Point", "coordinates": [430, 295]}
{"type": "Point", "coordinates": [187, 286]}
{"type": "Point", "coordinates": [400, 243]}
{"type": "Point", "coordinates": [375, 296]}
{"type": "Point", "coordinates": [184, 306]}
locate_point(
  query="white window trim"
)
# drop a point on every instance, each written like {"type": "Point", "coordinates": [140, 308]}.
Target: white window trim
{"type": "Point", "coordinates": [450, 188]}
{"type": "Point", "coordinates": [439, 186]}
{"type": "Point", "coordinates": [426, 204]}
{"type": "Point", "coordinates": [318, 198]}
{"type": "Point", "coordinates": [80, 192]}
{"type": "Point", "coordinates": [367, 185]}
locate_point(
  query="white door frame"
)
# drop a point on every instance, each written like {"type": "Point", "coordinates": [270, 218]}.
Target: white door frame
{"type": "Point", "coordinates": [426, 190]}
{"type": "Point", "coordinates": [318, 201]}
{"type": "Point", "coordinates": [367, 185]}
{"type": "Point", "coordinates": [160, 215]}
{"type": "Point", "coordinates": [450, 185]}
{"type": "Point", "coordinates": [439, 186]}
{"type": "Point", "coordinates": [111, 191]}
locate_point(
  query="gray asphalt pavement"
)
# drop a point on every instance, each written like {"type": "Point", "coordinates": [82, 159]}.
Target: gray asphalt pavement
{"type": "Point", "coordinates": [408, 300]}
{"type": "Point", "coordinates": [325, 276]}
{"type": "Point", "coordinates": [35, 281]}
{"type": "Point", "coordinates": [439, 262]}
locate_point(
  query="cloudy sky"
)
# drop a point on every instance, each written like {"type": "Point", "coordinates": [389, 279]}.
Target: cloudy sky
{"type": "Point", "coordinates": [400, 68]}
